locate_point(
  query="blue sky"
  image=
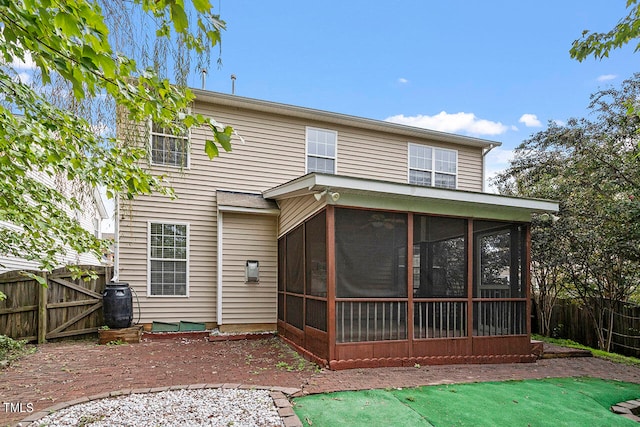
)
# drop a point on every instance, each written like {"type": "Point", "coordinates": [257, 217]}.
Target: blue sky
{"type": "Point", "coordinates": [499, 70]}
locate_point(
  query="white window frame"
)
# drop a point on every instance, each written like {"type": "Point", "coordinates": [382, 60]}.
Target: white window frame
{"type": "Point", "coordinates": [307, 154]}
{"type": "Point", "coordinates": [432, 170]}
{"type": "Point", "coordinates": [187, 141]}
{"type": "Point", "coordinates": [149, 258]}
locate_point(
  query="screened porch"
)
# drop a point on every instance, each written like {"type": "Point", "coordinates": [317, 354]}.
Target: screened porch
{"type": "Point", "coordinates": [364, 287]}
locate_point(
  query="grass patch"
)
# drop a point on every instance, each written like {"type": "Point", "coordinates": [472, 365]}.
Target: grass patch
{"type": "Point", "coordinates": [614, 357]}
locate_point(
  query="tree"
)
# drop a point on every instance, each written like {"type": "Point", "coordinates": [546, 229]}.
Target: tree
{"type": "Point", "coordinates": [69, 42]}
{"type": "Point", "coordinates": [592, 168]}
{"type": "Point", "coordinates": [599, 45]}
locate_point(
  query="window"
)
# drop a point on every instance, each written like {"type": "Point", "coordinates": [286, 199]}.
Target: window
{"type": "Point", "coordinates": [169, 148]}
{"type": "Point", "coordinates": [432, 167]}
{"type": "Point", "coordinates": [321, 150]}
{"type": "Point", "coordinates": [168, 250]}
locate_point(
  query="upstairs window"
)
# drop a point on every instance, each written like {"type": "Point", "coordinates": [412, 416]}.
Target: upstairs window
{"type": "Point", "coordinates": [432, 167]}
{"type": "Point", "coordinates": [321, 150]}
{"type": "Point", "coordinates": [169, 148]}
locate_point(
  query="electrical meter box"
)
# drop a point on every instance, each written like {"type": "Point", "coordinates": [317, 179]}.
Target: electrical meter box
{"type": "Point", "coordinates": [252, 271]}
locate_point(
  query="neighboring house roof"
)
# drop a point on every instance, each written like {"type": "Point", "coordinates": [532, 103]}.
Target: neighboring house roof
{"type": "Point", "coordinates": [337, 118]}
{"type": "Point", "coordinates": [391, 195]}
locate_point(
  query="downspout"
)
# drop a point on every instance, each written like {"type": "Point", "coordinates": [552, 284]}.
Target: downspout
{"type": "Point", "coordinates": [116, 241]}
{"type": "Point", "coordinates": [219, 268]}
{"type": "Point", "coordinates": [484, 172]}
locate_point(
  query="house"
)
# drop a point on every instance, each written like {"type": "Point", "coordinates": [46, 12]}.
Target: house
{"type": "Point", "coordinates": [363, 242]}
{"type": "Point", "coordinates": [90, 218]}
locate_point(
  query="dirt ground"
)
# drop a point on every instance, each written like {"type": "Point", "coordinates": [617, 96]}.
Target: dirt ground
{"type": "Point", "coordinates": [60, 372]}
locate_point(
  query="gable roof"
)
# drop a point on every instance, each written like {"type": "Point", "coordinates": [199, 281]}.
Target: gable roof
{"type": "Point", "coordinates": [235, 101]}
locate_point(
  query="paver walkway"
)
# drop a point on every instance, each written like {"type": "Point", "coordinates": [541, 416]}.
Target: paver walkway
{"type": "Point", "coordinates": [61, 372]}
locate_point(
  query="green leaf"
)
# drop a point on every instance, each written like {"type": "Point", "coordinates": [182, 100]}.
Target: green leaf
{"type": "Point", "coordinates": [224, 137]}
{"type": "Point", "coordinates": [202, 5]}
{"type": "Point", "coordinates": [211, 149]}
{"type": "Point", "coordinates": [179, 18]}
{"type": "Point", "coordinates": [67, 24]}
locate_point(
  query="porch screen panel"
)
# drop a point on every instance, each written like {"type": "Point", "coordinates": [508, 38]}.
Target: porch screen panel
{"type": "Point", "coordinates": [499, 268]}
{"type": "Point", "coordinates": [439, 257]}
{"type": "Point", "coordinates": [499, 260]}
{"type": "Point", "coordinates": [316, 255]}
{"type": "Point", "coordinates": [316, 314]}
{"type": "Point", "coordinates": [295, 261]}
{"type": "Point", "coordinates": [294, 311]}
{"type": "Point", "coordinates": [371, 254]}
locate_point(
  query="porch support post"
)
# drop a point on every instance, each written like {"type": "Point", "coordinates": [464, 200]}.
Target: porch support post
{"type": "Point", "coordinates": [470, 254]}
{"type": "Point", "coordinates": [527, 272]}
{"type": "Point", "coordinates": [410, 282]}
{"type": "Point", "coordinates": [331, 282]}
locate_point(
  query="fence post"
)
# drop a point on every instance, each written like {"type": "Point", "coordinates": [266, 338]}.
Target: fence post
{"type": "Point", "coordinates": [42, 310]}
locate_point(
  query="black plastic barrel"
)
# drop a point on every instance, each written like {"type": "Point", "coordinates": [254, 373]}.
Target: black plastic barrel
{"type": "Point", "coordinates": [117, 304]}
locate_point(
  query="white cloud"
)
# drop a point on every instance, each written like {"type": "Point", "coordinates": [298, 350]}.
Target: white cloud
{"type": "Point", "coordinates": [559, 122]}
{"type": "Point", "coordinates": [606, 77]}
{"type": "Point", "coordinates": [530, 120]}
{"type": "Point", "coordinates": [403, 80]}
{"type": "Point", "coordinates": [452, 123]}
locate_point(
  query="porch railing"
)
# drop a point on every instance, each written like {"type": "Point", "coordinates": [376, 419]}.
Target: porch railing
{"type": "Point", "coordinates": [499, 317]}
{"type": "Point", "coordinates": [440, 319]}
{"type": "Point", "coordinates": [358, 321]}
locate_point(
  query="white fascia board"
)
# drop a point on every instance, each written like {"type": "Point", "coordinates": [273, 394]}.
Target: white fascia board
{"type": "Point", "coordinates": [256, 211]}
{"type": "Point", "coordinates": [317, 182]}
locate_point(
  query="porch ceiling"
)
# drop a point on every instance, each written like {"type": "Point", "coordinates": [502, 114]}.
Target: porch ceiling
{"type": "Point", "coordinates": [374, 194]}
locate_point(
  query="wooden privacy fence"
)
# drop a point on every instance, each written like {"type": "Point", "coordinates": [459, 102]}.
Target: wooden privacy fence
{"type": "Point", "coordinates": [66, 307]}
{"type": "Point", "coordinates": [570, 320]}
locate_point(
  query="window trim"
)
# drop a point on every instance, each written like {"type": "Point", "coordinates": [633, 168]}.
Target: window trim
{"type": "Point", "coordinates": [433, 170]}
{"type": "Point", "coordinates": [186, 138]}
{"type": "Point", "coordinates": [335, 152]}
{"type": "Point", "coordinates": [149, 259]}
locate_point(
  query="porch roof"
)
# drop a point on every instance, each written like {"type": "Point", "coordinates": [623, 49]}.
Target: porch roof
{"type": "Point", "coordinates": [375, 194]}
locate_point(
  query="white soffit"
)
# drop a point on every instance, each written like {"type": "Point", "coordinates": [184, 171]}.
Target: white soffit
{"type": "Point", "coordinates": [314, 182]}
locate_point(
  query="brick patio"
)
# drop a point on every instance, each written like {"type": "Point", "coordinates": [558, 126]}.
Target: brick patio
{"type": "Point", "coordinates": [61, 372]}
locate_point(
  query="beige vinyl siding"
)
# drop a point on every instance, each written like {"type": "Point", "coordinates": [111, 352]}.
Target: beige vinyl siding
{"type": "Point", "coordinates": [273, 153]}
{"type": "Point", "coordinates": [197, 211]}
{"type": "Point", "coordinates": [295, 210]}
{"type": "Point", "coordinates": [249, 237]}
{"type": "Point", "coordinates": [470, 165]}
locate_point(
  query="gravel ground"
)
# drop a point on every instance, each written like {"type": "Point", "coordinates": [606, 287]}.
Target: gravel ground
{"type": "Point", "coordinates": [205, 407]}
